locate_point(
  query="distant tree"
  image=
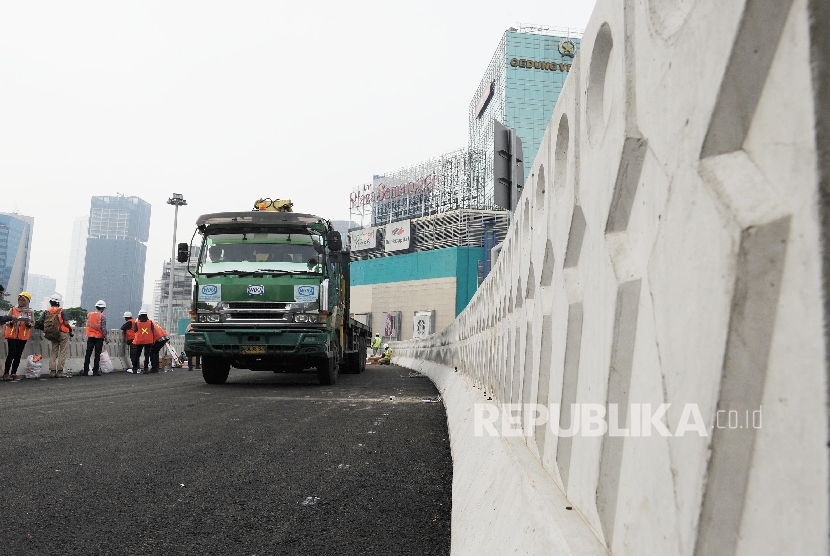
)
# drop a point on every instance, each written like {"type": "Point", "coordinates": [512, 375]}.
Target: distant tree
{"type": "Point", "coordinates": [5, 305]}
{"type": "Point", "coordinates": [78, 314]}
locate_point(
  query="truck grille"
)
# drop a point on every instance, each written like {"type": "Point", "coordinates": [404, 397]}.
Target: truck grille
{"type": "Point", "coordinates": [237, 316]}
{"type": "Point", "coordinates": [247, 305]}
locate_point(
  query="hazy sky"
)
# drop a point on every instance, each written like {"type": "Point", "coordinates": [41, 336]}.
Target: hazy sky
{"type": "Point", "coordinates": [226, 102]}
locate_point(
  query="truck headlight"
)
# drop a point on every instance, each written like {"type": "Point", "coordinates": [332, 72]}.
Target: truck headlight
{"type": "Point", "coordinates": [209, 318]}
{"type": "Point", "coordinates": [299, 317]}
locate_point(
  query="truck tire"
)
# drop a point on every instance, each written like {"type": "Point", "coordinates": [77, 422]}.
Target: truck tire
{"type": "Point", "coordinates": [352, 363]}
{"type": "Point", "coordinates": [362, 355]}
{"type": "Point", "coordinates": [215, 370]}
{"type": "Point", "coordinates": [326, 371]}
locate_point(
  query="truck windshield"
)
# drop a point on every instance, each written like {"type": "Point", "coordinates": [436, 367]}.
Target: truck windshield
{"type": "Point", "coordinates": [261, 252]}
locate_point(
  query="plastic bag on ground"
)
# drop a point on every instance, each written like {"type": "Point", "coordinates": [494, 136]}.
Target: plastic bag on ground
{"type": "Point", "coordinates": [105, 363]}
{"type": "Point", "coordinates": [34, 365]}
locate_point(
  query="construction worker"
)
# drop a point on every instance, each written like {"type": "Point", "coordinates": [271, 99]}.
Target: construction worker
{"type": "Point", "coordinates": [160, 338]}
{"type": "Point", "coordinates": [57, 330]}
{"type": "Point", "coordinates": [387, 355]}
{"type": "Point", "coordinates": [96, 335]}
{"type": "Point", "coordinates": [143, 340]}
{"type": "Point", "coordinates": [17, 332]}
{"type": "Point", "coordinates": [376, 344]}
{"type": "Point", "coordinates": [129, 335]}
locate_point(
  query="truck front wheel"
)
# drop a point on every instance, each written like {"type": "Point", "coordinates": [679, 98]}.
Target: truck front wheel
{"type": "Point", "coordinates": [362, 356]}
{"type": "Point", "coordinates": [326, 371]}
{"type": "Point", "coordinates": [215, 370]}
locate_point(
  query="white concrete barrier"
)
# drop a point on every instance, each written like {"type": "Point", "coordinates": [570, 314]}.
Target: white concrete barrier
{"type": "Point", "coordinates": [666, 250]}
{"type": "Point", "coordinates": [116, 348]}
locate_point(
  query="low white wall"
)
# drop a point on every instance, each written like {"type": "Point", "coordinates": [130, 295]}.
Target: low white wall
{"type": "Point", "coordinates": [666, 250]}
{"type": "Point", "coordinates": [116, 348]}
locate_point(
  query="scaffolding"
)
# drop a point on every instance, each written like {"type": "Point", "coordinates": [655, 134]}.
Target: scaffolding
{"type": "Point", "coordinates": [458, 228]}
{"type": "Point", "coordinates": [431, 187]}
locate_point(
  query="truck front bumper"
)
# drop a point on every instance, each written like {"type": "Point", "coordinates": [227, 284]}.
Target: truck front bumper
{"type": "Point", "coordinates": [257, 342]}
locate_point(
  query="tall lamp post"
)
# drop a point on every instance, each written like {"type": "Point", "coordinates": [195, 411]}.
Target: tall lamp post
{"type": "Point", "coordinates": [177, 200]}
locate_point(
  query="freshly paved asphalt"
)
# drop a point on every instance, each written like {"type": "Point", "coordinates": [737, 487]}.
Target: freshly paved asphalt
{"type": "Point", "coordinates": [265, 464]}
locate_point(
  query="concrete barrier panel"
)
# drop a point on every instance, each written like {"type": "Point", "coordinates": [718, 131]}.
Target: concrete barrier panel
{"type": "Point", "coordinates": [662, 274]}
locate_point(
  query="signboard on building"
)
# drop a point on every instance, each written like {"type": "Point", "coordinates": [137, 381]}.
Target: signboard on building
{"type": "Point", "coordinates": [424, 324]}
{"type": "Point", "coordinates": [396, 236]}
{"type": "Point", "coordinates": [392, 325]}
{"type": "Point", "coordinates": [363, 239]}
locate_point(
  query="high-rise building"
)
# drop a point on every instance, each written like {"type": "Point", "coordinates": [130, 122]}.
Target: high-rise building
{"type": "Point", "coordinates": [41, 287]}
{"type": "Point", "coordinates": [15, 250]}
{"type": "Point", "coordinates": [155, 309]}
{"type": "Point", "coordinates": [520, 89]}
{"type": "Point", "coordinates": [441, 212]}
{"type": "Point", "coordinates": [182, 292]}
{"type": "Point", "coordinates": [77, 254]}
{"type": "Point", "coordinates": [116, 252]}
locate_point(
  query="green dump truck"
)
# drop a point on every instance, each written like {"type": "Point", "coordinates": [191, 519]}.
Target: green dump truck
{"type": "Point", "coordinates": [271, 293]}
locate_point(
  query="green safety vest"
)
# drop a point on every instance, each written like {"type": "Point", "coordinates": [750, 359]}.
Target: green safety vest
{"type": "Point", "coordinates": [376, 342]}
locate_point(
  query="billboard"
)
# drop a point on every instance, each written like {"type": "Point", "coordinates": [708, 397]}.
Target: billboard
{"type": "Point", "coordinates": [392, 325]}
{"type": "Point", "coordinates": [396, 236]}
{"type": "Point", "coordinates": [363, 239]}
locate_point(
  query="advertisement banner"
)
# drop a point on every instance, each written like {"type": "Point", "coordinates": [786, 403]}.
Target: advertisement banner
{"type": "Point", "coordinates": [363, 239]}
{"type": "Point", "coordinates": [396, 236]}
{"type": "Point", "coordinates": [392, 325]}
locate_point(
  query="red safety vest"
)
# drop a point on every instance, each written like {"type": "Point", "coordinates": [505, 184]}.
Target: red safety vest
{"type": "Point", "coordinates": [93, 325]}
{"type": "Point", "coordinates": [159, 333]}
{"type": "Point", "coordinates": [63, 326]}
{"type": "Point", "coordinates": [16, 330]}
{"type": "Point", "coordinates": [129, 334]}
{"type": "Point", "coordinates": [144, 332]}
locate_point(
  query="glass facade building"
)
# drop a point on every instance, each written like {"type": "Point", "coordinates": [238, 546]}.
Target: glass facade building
{"type": "Point", "coordinates": [116, 253]}
{"type": "Point", "coordinates": [520, 89]}
{"type": "Point", "coordinates": [15, 251]}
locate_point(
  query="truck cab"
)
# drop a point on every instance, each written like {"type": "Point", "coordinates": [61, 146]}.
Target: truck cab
{"type": "Point", "coordinates": [271, 294]}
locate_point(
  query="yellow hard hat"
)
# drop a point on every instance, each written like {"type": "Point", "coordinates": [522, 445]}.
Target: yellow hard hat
{"type": "Point", "coordinates": [27, 295]}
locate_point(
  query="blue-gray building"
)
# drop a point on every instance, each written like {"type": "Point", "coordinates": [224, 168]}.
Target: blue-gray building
{"type": "Point", "coordinates": [15, 252]}
{"type": "Point", "coordinates": [520, 89]}
{"type": "Point", "coordinates": [116, 253]}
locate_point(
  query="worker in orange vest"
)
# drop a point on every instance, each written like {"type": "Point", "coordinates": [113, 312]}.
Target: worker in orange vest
{"type": "Point", "coordinates": [96, 335]}
{"type": "Point", "coordinates": [129, 335]}
{"type": "Point", "coordinates": [143, 339]}
{"type": "Point", "coordinates": [160, 338]}
{"type": "Point", "coordinates": [60, 342]}
{"type": "Point", "coordinates": [16, 333]}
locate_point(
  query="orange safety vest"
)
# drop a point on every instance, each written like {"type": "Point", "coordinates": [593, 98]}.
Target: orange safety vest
{"type": "Point", "coordinates": [16, 330]}
{"type": "Point", "coordinates": [129, 334]}
{"type": "Point", "coordinates": [144, 332]}
{"type": "Point", "coordinates": [159, 332]}
{"type": "Point", "coordinates": [63, 326]}
{"type": "Point", "coordinates": [93, 325]}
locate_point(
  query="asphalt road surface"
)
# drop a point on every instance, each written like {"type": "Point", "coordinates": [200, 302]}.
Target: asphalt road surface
{"type": "Point", "coordinates": [265, 464]}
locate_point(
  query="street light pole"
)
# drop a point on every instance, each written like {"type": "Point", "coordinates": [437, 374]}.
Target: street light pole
{"type": "Point", "coordinates": [177, 200]}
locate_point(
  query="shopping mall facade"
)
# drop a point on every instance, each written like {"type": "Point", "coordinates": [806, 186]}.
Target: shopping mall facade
{"type": "Point", "coordinates": [427, 230]}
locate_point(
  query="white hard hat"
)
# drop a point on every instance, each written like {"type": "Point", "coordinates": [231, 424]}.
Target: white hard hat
{"type": "Point", "coordinates": [377, 334]}
{"type": "Point", "coordinates": [385, 346]}
{"type": "Point", "coordinates": [55, 297]}
{"type": "Point", "coordinates": [101, 304]}
{"type": "Point", "coordinates": [142, 312]}
{"type": "Point", "coordinates": [127, 315]}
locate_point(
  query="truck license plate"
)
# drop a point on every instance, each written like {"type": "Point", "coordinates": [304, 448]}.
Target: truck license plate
{"type": "Point", "coordinates": [252, 350]}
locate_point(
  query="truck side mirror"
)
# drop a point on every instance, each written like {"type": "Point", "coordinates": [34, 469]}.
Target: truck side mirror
{"type": "Point", "coordinates": [183, 252]}
{"type": "Point", "coordinates": [335, 241]}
